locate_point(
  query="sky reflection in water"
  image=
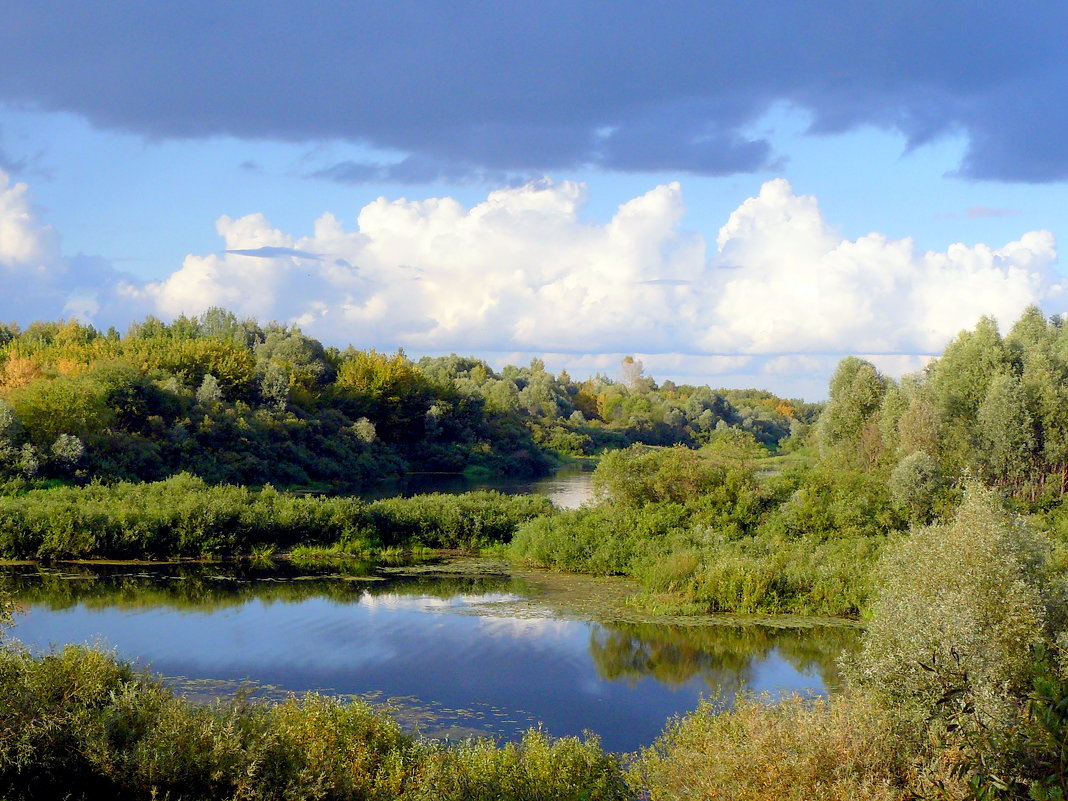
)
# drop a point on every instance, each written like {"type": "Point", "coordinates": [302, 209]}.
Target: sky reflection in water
{"type": "Point", "coordinates": [415, 638]}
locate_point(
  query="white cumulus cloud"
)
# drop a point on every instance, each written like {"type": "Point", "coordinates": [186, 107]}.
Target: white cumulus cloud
{"type": "Point", "coordinates": [26, 246]}
{"type": "Point", "coordinates": [779, 295]}
{"type": "Point", "coordinates": [521, 271]}
{"type": "Point", "coordinates": [793, 285]}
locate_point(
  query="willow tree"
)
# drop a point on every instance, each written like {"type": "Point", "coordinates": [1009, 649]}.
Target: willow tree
{"type": "Point", "coordinates": [856, 393]}
{"type": "Point", "coordinates": [1005, 432]}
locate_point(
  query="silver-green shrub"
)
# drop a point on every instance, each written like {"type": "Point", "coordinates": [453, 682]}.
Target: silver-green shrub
{"type": "Point", "coordinates": [959, 610]}
{"type": "Point", "coordinates": [914, 485]}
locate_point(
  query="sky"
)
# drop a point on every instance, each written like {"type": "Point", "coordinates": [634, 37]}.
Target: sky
{"type": "Point", "coordinates": [738, 194]}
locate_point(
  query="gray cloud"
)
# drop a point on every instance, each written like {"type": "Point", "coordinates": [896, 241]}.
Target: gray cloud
{"type": "Point", "coordinates": [532, 87]}
{"type": "Point", "coordinates": [416, 170]}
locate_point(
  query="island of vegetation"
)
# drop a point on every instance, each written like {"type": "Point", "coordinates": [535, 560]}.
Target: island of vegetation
{"type": "Point", "coordinates": [931, 509]}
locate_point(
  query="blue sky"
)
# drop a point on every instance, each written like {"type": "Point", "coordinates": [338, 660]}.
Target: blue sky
{"type": "Point", "coordinates": [739, 198]}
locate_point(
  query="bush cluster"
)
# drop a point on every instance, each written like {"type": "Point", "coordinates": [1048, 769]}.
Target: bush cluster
{"type": "Point", "coordinates": [77, 724]}
{"type": "Point", "coordinates": [184, 516]}
{"type": "Point", "coordinates": [702, 533]}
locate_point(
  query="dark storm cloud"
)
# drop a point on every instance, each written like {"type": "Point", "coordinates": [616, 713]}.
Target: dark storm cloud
{"type": "Point", "coordinates": [519, 86]}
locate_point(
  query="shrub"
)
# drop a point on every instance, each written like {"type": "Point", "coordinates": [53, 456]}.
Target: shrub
{"type": "Point", "coordinates": [77, 724]}
{"type": "Point", "coordinates": [959, 608]}
{"type": "Point", "coordinates": [845, 748]}
{"type": "Point", "coordinates": [184, 516]}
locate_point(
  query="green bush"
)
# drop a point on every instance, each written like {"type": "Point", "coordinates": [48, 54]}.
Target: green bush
{"type": "Point", "coordinates": [184, 516]}
{"type": "Point", "coordinates": [720, 552]}
{"type": "Point", "coordinates": [846, 749]}
{"type": "Point", "coordinates": [960, 607]}
{"type": "Point", "coordinates": [440, 520]}
{"type": "Point", "coordinates": [78, 724]}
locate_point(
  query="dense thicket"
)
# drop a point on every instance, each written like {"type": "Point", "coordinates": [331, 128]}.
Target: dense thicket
{"type": "Point", "coordinates": [236, 402]}
{"type": "Point", "coordinates": [993, 406]}
{"type": "Point", "coordinates": [705, 531]}
{"type": "Point", "coordinates": [183, 516]}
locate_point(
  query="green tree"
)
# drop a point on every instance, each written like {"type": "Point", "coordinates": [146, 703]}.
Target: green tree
{"type": "Point", "coordinates": [856, 393]}
{"type": "Point", "coordinates": [62, 405]}
{"type": "Point", "coordinates": [1005, 432]}
{"type": "Point", "coordinates": [914, 485]}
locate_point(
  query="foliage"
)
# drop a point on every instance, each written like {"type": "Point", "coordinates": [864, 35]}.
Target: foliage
{"type": "Point", "coordinates": [703, 534]}
{"type": "Point", "coordinates": [440, 520]}
{"type": "Point", "coordinates": [914, 486]}
{"type": "Point", "coordinates": [184, 516]}
{"type": "Point", "coordinates": [990, 406]}
{"type": "Point", "coordinates": [78, 724]}
{"type": "Point", "coordinates": [960, 607]}
{"type": "Point", "coordinates": [845, 748]}
{"type": "Point", "coordinates": [640, 475]}
{"type": "Point", "coordinates": [235, 402]}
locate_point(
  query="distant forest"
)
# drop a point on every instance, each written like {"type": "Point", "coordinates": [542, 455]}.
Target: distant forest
{"type": "Point", "coordinates": [234, 401]}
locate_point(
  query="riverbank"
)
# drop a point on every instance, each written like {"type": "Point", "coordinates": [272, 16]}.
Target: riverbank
{"type": "Point", "coordinates": [459, 647]}
{"type": "Point", "coordinates": [183, 516]}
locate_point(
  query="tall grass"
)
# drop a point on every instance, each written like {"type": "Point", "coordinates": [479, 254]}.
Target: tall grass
{"type": "Point", "coordinates": [184, 516]}
{"type": "Point", "coordinates": [686, 565]}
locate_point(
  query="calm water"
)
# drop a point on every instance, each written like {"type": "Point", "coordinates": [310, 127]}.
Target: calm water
{"type": "Point", "coordinates": [568, 488]}
{"type": "Point", "coordinates": [449, 651]}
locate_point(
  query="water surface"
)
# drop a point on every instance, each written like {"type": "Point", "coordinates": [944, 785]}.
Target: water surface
{"type": "Point", "coordinates": [448, 651]}
{"type": "Point", "coordinates": [567, 488]}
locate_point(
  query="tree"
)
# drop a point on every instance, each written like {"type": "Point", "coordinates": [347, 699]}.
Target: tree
{"type": "Point", "coordinates": [1005, 431]}
{"type": "Point", "coordinates": [274, 386]}
{"type": "Point", "coordinates": [639, 475]}
{"type": "Point", "coordinates": [9, 422]}
{"type": "Point", "coordinates": [68, 451]}
{"type": "Point", "coordinates": [960, 378]}
{"type": "Point", "coordinates": [209, 391]}
{"type": "Point", "coordinates": [51, 407]}
{"type": "Point", "coordinates": [917, 430]}
{"type": "Point", "coordinates": [364, 430]}
{"type": "Point", "coordinates": [631, 370]}
{"type": "Point", "coordinates": [856, 392]}
{"type": "Point", "coordinates": [914, 485]}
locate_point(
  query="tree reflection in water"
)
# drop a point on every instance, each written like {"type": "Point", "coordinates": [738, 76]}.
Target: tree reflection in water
{"type": "Point", "coordinates": [723, 655]}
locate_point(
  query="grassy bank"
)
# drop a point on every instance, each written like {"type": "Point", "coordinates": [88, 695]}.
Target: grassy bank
{"type": "Point", "coordinates": [184, 516]}
{"type": "Point", "coordinates": [707, 531]}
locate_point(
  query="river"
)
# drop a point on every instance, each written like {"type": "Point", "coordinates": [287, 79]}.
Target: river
{"type": "Point", "coordinates": [454, 650]}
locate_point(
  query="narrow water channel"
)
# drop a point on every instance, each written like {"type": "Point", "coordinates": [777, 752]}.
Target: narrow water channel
{"type": "Point", "coordinates": [453, 655]}
{"type": "Point", "coordinates": [567, 488]}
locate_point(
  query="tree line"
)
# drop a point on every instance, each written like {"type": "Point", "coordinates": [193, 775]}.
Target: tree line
{"type": "Point", "coordinates": [234, 401]}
